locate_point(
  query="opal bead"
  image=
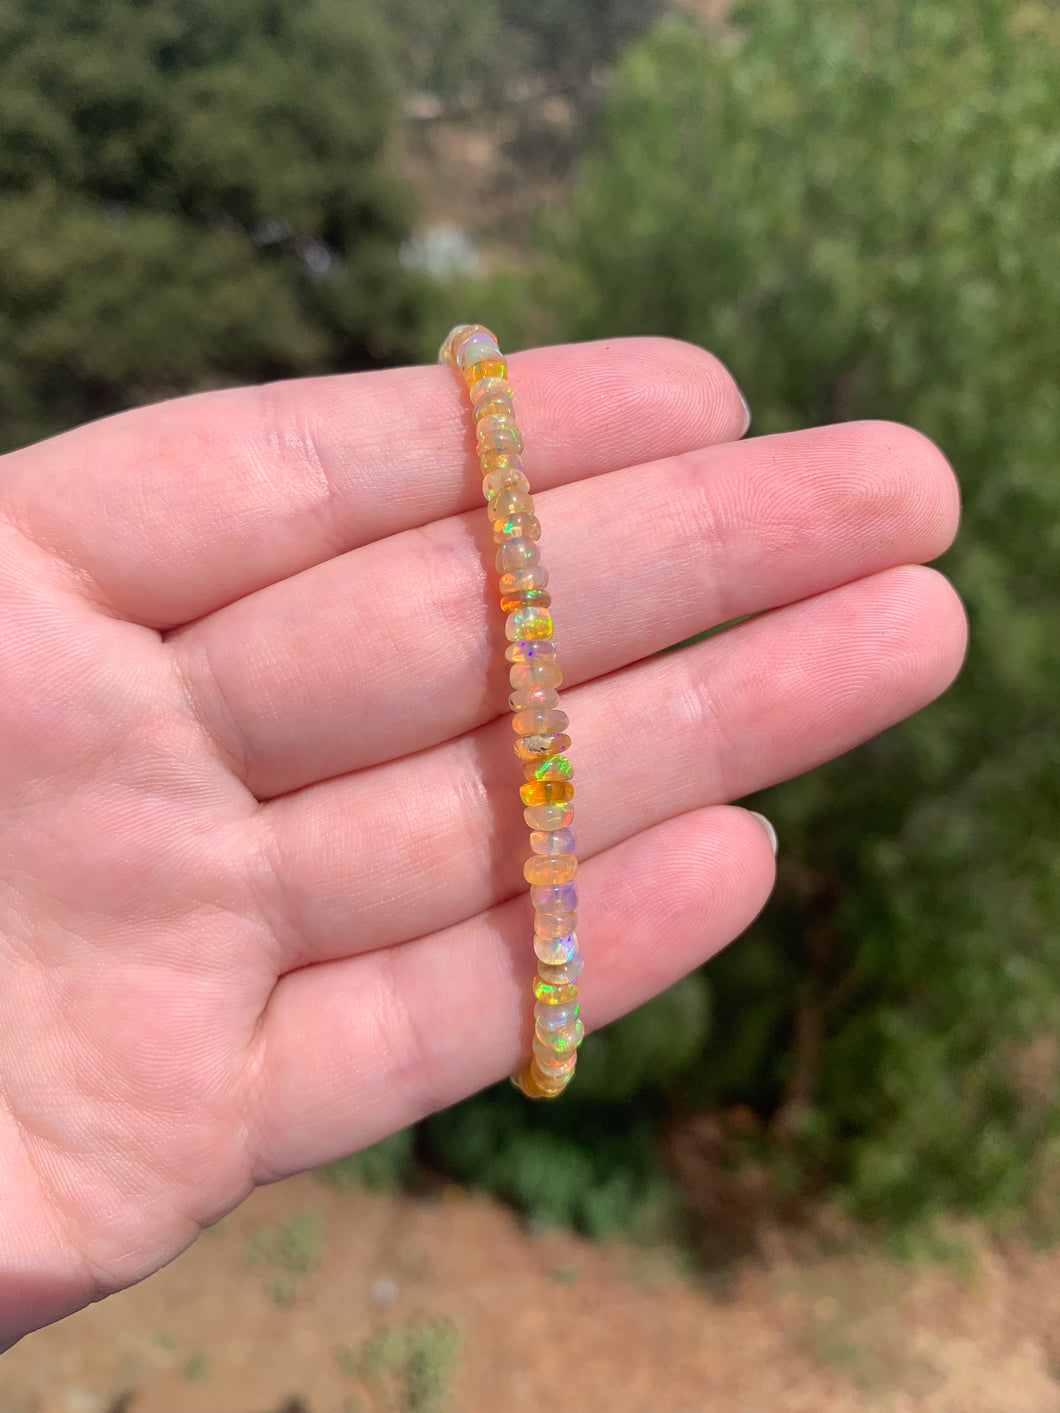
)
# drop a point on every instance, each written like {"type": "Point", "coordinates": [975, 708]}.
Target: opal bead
{"type": "Point", "coordinates": [529, 648]}
{"type": "Point", "coordinates": [550, 868]}
{"type": "Point", "coordinates": [506, 478]}
{"type": "Point", "coordinates": [524, 624]}
{"type": "Point", "coordinates": [552, 841]}
{"type": "Point", "coordinates": [552, 994]}
{"type": "Point", "coordinates": [553, 925]}
{"type": "Point", "coordinates": [550, 1017]}
{"type": "Point", "coordinates": [498, 431]}
{"type": "Point", "coordinates": [548, 816]}
{"type": "Point", "coordinates": [562, 1041]}
{"type": "Point", "coordinates": [555, 898]}
{"type": "Point", "coordinates": [539, 723]}
{"type": "Point", "coordinates": [546, 792]}
{"type": "Point", "coordinates": [492, 461]}
{"type": "Point", "coordinates": [487, 368]}
{"type": "Point", "coordinates": [498, 404]}
{"type": "Point", "coordinates": [563, 973]}
{"type": "Point", "coordinates": [550, 1062]}
{"type": "Point", "coordinates": [525, 526]}
{"type": "Point", "coordinates": [539, 1084]}
{"type": "Point", "coordinates": [537, 747]}
{"type": "Point", "coordinates": [457, 336]}
{"type": "Point", "coordinates": [534, 577]}
{"type": "Point", "coordinates": [517, 554]}
{"type": "Point", "coordinates": [485, 388]}
{"type": "Point", "coordinates": [534, 675]}
{"type": "Point", "coordinates": [554, 951]}
{"type": "Point", "coordinates": [533, 698]}
{"type": "Point", "coordinates": [556, 767]}
{"type": "Point", "coordinates": [510, 502]}
{"type": "Point", "coordinates": [526, 598]}
{"type": "Point", "coordinates": [475, 346]}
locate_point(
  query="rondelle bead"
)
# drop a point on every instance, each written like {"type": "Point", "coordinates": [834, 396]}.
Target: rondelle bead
{"type": "Point", "coordinates": [549, 868]}
{"type": "Point", "coordinates": [526, 624]}
{"type": "Point", "coordinates": [546, 792]}
{"type": "Point", "coordinates": [552, 841]}
{"type": "Point", "coordinates": [563, 973]}
{"type": "Point", "coordinates": [457, 336]}
{"type": "Point", "coordinates": [522, 526]}
{"type": "Point", "coordinates": [487, 368]}
{"type": "Point", "coordinates": [494, 461]}
{"type": "Point", "coordinates": [552, 994]}
{"type": "Point", "coordinates": [533, 698]}
{"type": "Point", "coordinates": [517, 554]}
{"type": "Point", "coordinates": [558, 1017]}
{"type": "Point", "coordinates": [556, 767]}
{"type": "Point", "coordinates": [485, 388]}
{"type": "Point", "coordinates": [554, 951]}
{"type": "Point", "coordinates": [498, 431]}
{"type": "Point", "coordinates": [534, 576]}
{"type": "Point", "coordinates": [475, 344]}
{"type": "Point", "coordinates": [507, 478]}
{"type": "Point", "coordinates": [553, 925]}
{"type": "Point", "coordinates": [549, 1062]}
{"type": "Point", "coordinates": [534, 674]}
{"type": "Point", "coordinates": [533, 748]}
{"type": "Point", "coordinates": [510, 501]}
{"type": "Point", "coordinates": [496, 404]}
{"type": "Point", "coordinates": [536, 1083]}
{"type": "Point", "coordinates": [548, 816]}
{"type": "Point", "coordinates": [554, 898]}
{"type": "Point", "coordinates": [562, 1041]}
{"type": "Point", "coordinates": [536, 722]}
{"type": "Point", "coordinates": [526, 598]}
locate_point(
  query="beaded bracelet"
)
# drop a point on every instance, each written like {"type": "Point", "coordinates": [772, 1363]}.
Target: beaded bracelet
{"type": "Point", "coordinates": [539, 725]}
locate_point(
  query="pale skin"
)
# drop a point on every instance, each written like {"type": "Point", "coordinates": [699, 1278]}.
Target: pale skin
{"type": "Point", "coordinates": [261, 846]}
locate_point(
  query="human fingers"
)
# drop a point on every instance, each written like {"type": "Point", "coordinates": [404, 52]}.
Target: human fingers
{"type": "Point", "coordinates": [165, 513]}
{"type": "Point", "coordinates": [422, 843]}
{"type": "Point", "coordinates": [308, 678]}
{"type": "Point", "coordinates": [355, 1049]}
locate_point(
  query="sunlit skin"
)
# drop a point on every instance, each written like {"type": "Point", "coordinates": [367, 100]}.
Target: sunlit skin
{"type": "Point", "coordinates": [259, 807]}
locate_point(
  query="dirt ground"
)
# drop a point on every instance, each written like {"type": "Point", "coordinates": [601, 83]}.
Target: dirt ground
{"type": "Point", "coordinates": [310, 1300]}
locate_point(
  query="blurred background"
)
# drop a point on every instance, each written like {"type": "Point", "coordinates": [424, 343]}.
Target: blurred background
{"type": "Point", "coordinates": [823, 1172]}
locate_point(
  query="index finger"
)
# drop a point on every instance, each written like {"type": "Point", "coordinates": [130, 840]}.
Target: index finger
{"type": "Point", "coordinates": [166, 513]}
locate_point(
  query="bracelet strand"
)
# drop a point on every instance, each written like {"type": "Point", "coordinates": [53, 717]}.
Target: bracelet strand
{"type": "Point", "coordinates": [540, 727]}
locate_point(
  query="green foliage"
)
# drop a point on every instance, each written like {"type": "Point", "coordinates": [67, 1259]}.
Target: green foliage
{"type": "Point", "coordinates": [385, 1167]}
{"type": "Point", "coordinates": [286, 1253]}
{"type": "Point", "coordinates": [858, 208]}
{"type": "Point", "coordinates": [192, 194]}
{"type": "Point", "coordinates": [409, 1368]}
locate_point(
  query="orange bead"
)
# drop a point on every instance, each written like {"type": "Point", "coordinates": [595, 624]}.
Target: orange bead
{"type": "Point", "coordinates": [548, 768]}
{"type": "Point", "coordinates": [488, 368]}
{"type": "Point", "coordinates": [536, 748]}
{"type": "Point", "coordinates": [546, 792]}
{"type": "Point", "coordinates": [554, 995]}
{"type": "Point", "coordinates": [525, 598]}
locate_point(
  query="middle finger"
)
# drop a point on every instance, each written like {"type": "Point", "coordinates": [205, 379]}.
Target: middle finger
{"type": "Point", "coordinates": [393, 647]}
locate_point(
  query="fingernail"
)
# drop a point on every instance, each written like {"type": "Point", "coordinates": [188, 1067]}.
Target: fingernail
{"type": "Point", "coordinates": [770, 831]}
{"type": "Point", "coordinates": [746, 424]}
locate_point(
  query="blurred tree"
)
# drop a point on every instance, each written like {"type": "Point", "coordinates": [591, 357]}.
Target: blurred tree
{"type": "Point", "coordinates": [192, 193]}
{"type": "Point", "coordinates": [858, 207]}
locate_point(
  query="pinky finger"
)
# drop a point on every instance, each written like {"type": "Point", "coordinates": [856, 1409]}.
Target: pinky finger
{"type": "Point", "coordinates": [356, 1049]}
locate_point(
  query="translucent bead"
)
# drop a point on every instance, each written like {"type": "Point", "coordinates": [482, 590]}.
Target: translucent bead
{"type": "Point", "coordinates": [531, 676]}
{"type": "Point", "coordinates": [537, 1083]}
{"type": "Point", "coordinates": [563, 973]}
{"type": "Point", "coordinates": [499, 430]}
{"type": "Point", "coordinates": [517, 554]}
{"type": "Point", "coordinates": [510, 502]}
{"type": "Point", "coordinates": [562, 1041]}
{"type": "Point", "coordinates": [459, 335]}
{"type": "Point", "coordinates": [536, 748]}
{"type": "Point", "coordinates": [557, 767]}
{"type": "Point", "coordinates": [546, 792]}
{"type": "Point", "coordinates": [539, 723]}
{"type": "Point", "coordinates": [507, 478]}
{"type": "Point", "coordinates": [488, 368]}
{"type": "Point", "coordinates": [524, 624]}
{"type": "Point", "coordinates": [548, 816]}
{"type": "Point", "coordinates": [561, 898]}
{"type": "Point", "coordinates": [534, 577]}
{"type": "Point", "coordinates": [554, 951]}
{"type": "Point", "coordinates": [526, 598]}
{"type": "Point", "coordinates": [533, 699]}
{"type": "Point", "coordinates": [484, 388]}
{"type": "Point", "coordinates": [497, 438]}
{"type": "Point", "coordinates": [544, 868]}
{"type": "Point", "coordinates": [552, 841]}
{"type": "Point", "coordinates": [553, 995]}
{"type": "Point", "coordinates": [493, 461]}
{"type": "Point", "coordinates": [553, 925]}
{"type": "Point", "coordinates": [476, 346]}
{"type": "Point", "coordinates": [549, 1062]}
{"type": "Point", "coordinates": [525, 525]}
{"type": "Point", "coordinates": [549, 1017]}
{"type": "Point", "coordinates": [499, 404]}
{"type": "Point", "coordinates": [529, 648]}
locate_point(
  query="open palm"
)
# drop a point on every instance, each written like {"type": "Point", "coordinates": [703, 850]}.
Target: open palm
{"type": "Point", "coordinates": [260, 843]}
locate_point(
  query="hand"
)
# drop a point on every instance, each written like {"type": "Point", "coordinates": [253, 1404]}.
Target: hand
{"type": "Point", "coordinates": [260, 874]}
